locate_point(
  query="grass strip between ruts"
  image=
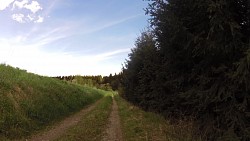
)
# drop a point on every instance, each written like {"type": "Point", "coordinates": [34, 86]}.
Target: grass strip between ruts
{"type": "Point", "coordinates": [93, 124]}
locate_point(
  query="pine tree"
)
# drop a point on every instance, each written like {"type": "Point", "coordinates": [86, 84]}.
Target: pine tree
{"type": "Point", "coordinates": [205, 63]}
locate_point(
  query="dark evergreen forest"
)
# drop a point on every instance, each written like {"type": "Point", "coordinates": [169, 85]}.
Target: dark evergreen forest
{"type": "Point", "coordinates": [194, 63]}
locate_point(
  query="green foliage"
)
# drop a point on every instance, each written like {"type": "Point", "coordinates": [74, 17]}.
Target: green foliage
{"type": "Point", "coordinates": [29, 102]}
{"type": "Point", "coordinates": [198, 65]}
{"type": "Point", "coordinates": [105, 83]}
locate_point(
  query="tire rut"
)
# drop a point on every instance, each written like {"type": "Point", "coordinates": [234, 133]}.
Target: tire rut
{"type": "Point", "coordinates": [60, 128]}
{"type": "Point", "coordinates": [113, 132]}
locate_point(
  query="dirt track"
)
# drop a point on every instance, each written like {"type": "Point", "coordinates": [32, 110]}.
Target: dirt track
{"type": "Point", "coordinates": [113, 132]}
{"type": "Point", "coordinates": [60, 128]}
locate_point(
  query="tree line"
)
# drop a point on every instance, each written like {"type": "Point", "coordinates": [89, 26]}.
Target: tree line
{"type": "Point", "coordinates": [111, 82]}
{"type": "Point", "coordinates": [193, 62]}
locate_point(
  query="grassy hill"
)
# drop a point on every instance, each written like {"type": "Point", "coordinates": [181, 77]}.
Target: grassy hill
{"type": "Point", "coordinates": [29, 102]}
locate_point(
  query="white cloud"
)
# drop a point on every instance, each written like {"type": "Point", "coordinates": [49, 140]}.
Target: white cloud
{"type": "Point", "coordinates": [33, 7]}
{"type": "Point", "coordinates": [5, 3]}
{"type": "Point", "coordinates": [18, 17]}
{"type": "Point", "coordinates": [30, 17]}
{"type": "Point", "coordinates": [18, 4]}
{"type": "Point", "coordinates": [39, 20]}
{"type": "Point", "coordinates": [21, 18]}
{"type": "Point", "coordinates": [27, 51]}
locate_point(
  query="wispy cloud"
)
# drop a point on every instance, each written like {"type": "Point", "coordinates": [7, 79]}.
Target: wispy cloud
{"type": "Point", "coordinates": [67, 42]}
{"type": "Point", "coordinates": [108, 55]}
{"type": "Point", "coordinates": [113, 23]}
{"type": "Point", "coordinates": [34, 59]}
{"type": "Point", "coordinates": [48, 36]}
{"type": "Point", "coordinates": [104, 25]}
{"type": "Point", "coordinates": [35, 38]}
{"type": "Point", "coordinates": [34, 41]}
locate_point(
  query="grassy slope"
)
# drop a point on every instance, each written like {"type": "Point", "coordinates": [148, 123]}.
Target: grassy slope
{"type": "Point", "coordinates": [138, 125]}
{"type": "Point", "coordinates": [92, 127]}
{"type": "Point", "coordinates": [29, 102]}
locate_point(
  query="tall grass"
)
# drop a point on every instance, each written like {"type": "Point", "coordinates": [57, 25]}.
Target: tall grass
{"type": "Point", "coordinates": [138, 125]}
{"type": "Point", "coordinates": [29, 102]}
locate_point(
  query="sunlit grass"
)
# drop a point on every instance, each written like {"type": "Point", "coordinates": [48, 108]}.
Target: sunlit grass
{"type": "Point", "coordinates": [29, 102]}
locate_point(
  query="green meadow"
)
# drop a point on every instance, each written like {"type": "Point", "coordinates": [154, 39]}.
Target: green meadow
{"type": "Point", "coordinates": [28, 102]}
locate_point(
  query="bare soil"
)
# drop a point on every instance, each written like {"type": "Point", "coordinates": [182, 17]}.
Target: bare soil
{"type": "Point", "coordinates": [60, 128]}
{"type": "Point", "coordinates": [113, 132]}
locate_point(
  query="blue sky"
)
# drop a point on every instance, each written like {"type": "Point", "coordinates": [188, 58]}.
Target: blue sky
{"type": "Point", "coordinates": [69, 37]}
